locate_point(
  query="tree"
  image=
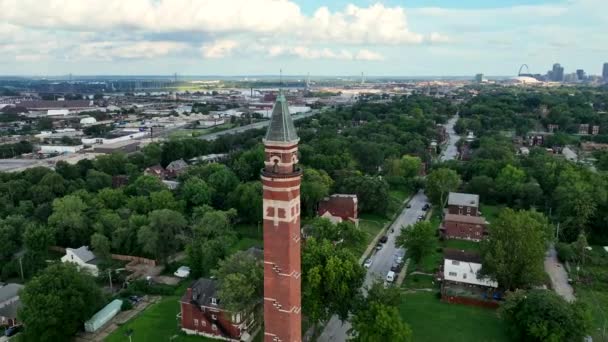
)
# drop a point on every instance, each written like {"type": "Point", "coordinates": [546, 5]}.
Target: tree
{"type": "Point", "coordinates": [145, 185]}
{"type": "Point", "coordinates": [212, 235]}
{"type": "Point", "coordinates": [101, 246]}
{"type": "Point", "coordinates": [514, 251]}
{"type": "Point", "coordinates": [159, 237]}
{"type": "Point", "coordinates": [315, 187]}
{"type": "Point", "coordinates": [542, 315]}
{"type": "Point", "coordinates": [371, 192]}
{"type": "Point", "coordinates": [195, 192]}
{"type": "Point", "coordinates": [441, 182]}
{"type": "Point", "coordinates": [112, 164]}
{"type": "Point", "coordinates": [57, 302]}
{"type": "Point", "coordinates": [331, 279]}
{"type": "Point", "coordinates": [70, 221]}
{"type": "Point", "coordinates": [247, 200]}
{"type": "Point", "coordinates": [241, 281]}
{"type": "Point", "coordinates": [419, 239]}
{"type": "Point", "coordinates": [580, 248]}
{"type": "Point", "coordinates": [377, 318]}
{"type": "Point", "coordinates": [97, 180]}
{"type": "Point", "coordinates": [344, 232]}
{"type": "Point", "coordinates": [509, 182]}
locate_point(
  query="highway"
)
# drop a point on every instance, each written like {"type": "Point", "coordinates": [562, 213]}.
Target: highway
{"type": "Point", "coordinates": [336, 330]}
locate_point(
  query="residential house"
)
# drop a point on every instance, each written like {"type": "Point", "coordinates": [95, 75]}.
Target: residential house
{"type": "Point", "coordinates": [83, 258]}
{"type": "Point", "coordinates": [9, 303]}
{"type": "Point", "coordinates": [463, 204]}
{"type": "Point", "coordinates": [157, 171]}
{"type": "Point", "coordinates": [339, 208]}
{"type": "Point", "coordinates": [462, 282]}
{"type": "Point", "coordinates": [463, 267]}
{"type": "Point", "coordinates": [464, 227]}
{"type": "Point", "coordinates": [202, 314]}
{"type": "Point", "coordinates": [176, 168]}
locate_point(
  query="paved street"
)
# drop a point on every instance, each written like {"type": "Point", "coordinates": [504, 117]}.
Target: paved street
{"type": "Point", "coordinates": [262, 124]}
{"type": "Point", "coordinates": [382, 262]}
{"type": "Point", "coordinates": [451, 151]}
{"type": "Point", "coordinates": [558, 275]}
{"type": "Point", "coordinates": [336, 330]}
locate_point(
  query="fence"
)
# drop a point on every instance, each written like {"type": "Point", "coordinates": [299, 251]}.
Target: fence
{"type": "Point", "coordinates": [132, 259]}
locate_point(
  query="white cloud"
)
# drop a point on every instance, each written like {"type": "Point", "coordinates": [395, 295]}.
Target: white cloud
{"type": "Point", "coordinates": [375, 24]}
{"type": "Point", "coordinates": [219, 48]}
{"type": "Point", "coordinates": [323, 53]}
{"type": "Point", "coordinates": [438, 38]}
{"type": "Point", "coordinates": [107, 50]}
{"type": "Point", "coordinates": [366, 55]}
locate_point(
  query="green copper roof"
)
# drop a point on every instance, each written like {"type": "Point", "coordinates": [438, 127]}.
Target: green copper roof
{"type": "Point", "coordinates": [281, 126]}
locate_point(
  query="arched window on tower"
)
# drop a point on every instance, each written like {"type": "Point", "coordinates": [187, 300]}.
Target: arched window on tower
{"type": "Point", "coordinates": [275, 167]}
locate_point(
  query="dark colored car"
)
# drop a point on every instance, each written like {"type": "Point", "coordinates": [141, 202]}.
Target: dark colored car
{"type": "Point", "coordinates": [408, 206]}
{"type": "Point", "coordinates": [426, 207]}
{"type": "Point", "coordinates": [12, 331]}
{"type": "Point", "coordinates": [135, 299]}
{"type": "Point", "coordinates": [384, 239]}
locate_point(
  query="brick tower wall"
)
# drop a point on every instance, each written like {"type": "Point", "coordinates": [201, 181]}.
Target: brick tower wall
{"type": "Point", "coordinates": [282, 303]}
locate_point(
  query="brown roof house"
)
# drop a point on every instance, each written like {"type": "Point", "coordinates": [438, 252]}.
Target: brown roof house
{"type": "Point", "coordinates": [157, 171]}
{"type": "Point", "coordinates": [463, 204]}
{"type": "Point", "coordinates": [339, 207]}
{"type": "Point", "coordinates": [176, 168]}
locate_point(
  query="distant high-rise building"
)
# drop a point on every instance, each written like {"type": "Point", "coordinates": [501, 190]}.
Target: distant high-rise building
{"type": "Point", "coordinates": [605, 72]}
{"type": "Point", "coordinates": [580, 74]}
{"type": "Point", "coordinates": [557, 73]}
{"type": "Point", "coordinates": [479, 78]}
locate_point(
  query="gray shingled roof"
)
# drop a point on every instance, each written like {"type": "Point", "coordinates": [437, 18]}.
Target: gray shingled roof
{"type": "Point", "coordinates": [281, 126]}
{"type": "Point", "coordinates": [460, 199]}
{"type": "Point", "coordinates": [9, 291]}
{"type": "Point", "coordinates": [83, 253]}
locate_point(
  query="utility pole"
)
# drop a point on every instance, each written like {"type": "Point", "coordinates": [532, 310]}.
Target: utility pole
{"type": "Point", "coordinates": [112, 288]}
{"type": "Point", "coordinates": [21, 267]}
{"type": "Point", "coordinates": [557, 233]}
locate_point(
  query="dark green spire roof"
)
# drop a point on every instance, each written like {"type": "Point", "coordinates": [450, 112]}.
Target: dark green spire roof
{"type": "Point", "coordinates": [281, 126]}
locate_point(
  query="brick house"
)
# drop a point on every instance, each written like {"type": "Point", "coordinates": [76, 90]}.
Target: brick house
{"type": "Point", "coordinates": [156, 171]}
{"type": "Point", "coordinates": [176, 168]}
{"type": "Point", "coordinates": [463, 204]}
{"type": "Point", "coordinates": [339, 207]}
{"type": "Point", "coordinates": [202, 314]}
{"type": "Point", "coordinates": [463, 227]}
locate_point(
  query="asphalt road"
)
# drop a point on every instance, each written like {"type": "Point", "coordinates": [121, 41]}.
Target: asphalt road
{"type": "Point", "coordinates": [451, 151]}
{"type": "Point", "coordinates": [336, 330]}
{"type": "Point", "coordinates": [262, 124]}
{"type": "Point", "coordinates": [558, 275]}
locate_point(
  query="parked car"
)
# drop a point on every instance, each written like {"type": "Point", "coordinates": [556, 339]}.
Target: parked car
{"type": "Point", "coordinates": [383, 239]}
{"type": "Point", "coordinates": [182, 272]}
{"type": "Point", "coordinates": [368, 263]}
{"type": "Point", "coordinates": [396, 267]}
{"type": "Point", "coordinates": [408, 205]}
{"type": "Point", "coordinates": [12, 331]}
{"type": "Point", "coordinates": [398, 259]}
{"type": "Point", "coordinates": [379, 246]}
{"type": "Point", "coordinates": [420, 218]}
{"type": "Point", "coordinates": [426, 207]}
{"type": "Point", "coordinates": [390, 277]}
{"type": "Point", "coordinates": [135, 299]}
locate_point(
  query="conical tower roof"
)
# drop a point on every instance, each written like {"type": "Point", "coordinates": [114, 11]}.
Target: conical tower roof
{"type": "Point", "coordinates": [281, 128]}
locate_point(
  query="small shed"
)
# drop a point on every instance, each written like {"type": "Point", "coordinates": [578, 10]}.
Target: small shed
{"type": "Point", "coordinates": [103, 316]}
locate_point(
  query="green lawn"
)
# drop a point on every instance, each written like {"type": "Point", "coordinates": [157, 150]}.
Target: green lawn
{"type": "Point", "coordinates": [156, 323]}
{"type": "Point", "coordinates": [432, 320]}
{"type": "Point", "coordinates": [462, 245]}
{"type": "Point", "coordinates": [490, 212]}
{"type": "Point", "coordinates": [371, 225]}
{"type": "Point", "coordinates": [419, 281]}
{"type": "Point", "coordinates": [591, 288]}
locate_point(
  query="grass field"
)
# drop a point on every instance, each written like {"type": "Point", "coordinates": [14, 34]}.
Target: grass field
{"type": "Point", "coordinates": [462, 245]}
{"type": "Point", "coordinates": [490, 212]}
{"type": "Point", "coordinates": [432, 320]}
{"type": "Point", "coordinates": [371, 225]}
{"type": "Point", "coordinates": [591, 288]}
{"type": "Point", "coordinates": [157, 323]}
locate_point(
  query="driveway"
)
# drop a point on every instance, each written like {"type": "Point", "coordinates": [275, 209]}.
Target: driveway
{"type": "Point", "coordinates": [558, 275]}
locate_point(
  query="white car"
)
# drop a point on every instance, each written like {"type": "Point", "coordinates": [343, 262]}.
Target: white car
{"type": "Point", "coordinates": [367, 263]}
{"type": "Point", "coordinates": [390, 277]}
{"type": "Point", "coordinates": [182, 272]}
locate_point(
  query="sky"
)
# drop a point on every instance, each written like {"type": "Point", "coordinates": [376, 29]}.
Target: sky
{"type": "Point", "coordinates": [317, 37]}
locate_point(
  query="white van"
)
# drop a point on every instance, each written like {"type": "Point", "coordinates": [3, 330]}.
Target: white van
{"type": "Point", "coordinates": [390, 277]}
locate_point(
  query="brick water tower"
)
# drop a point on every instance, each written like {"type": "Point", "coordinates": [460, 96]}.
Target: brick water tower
{"type": "Point", "coordinates": [281, 182]}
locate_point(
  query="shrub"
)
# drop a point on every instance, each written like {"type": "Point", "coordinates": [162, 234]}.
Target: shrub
{"type": "Point", "coordinates": [126, 305]}
{"type": "Point", "coordinates": [564, 252]}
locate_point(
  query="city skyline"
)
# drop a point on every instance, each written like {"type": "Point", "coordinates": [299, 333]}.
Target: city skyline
{"type": "Point", "coordinates": [253, 37]}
